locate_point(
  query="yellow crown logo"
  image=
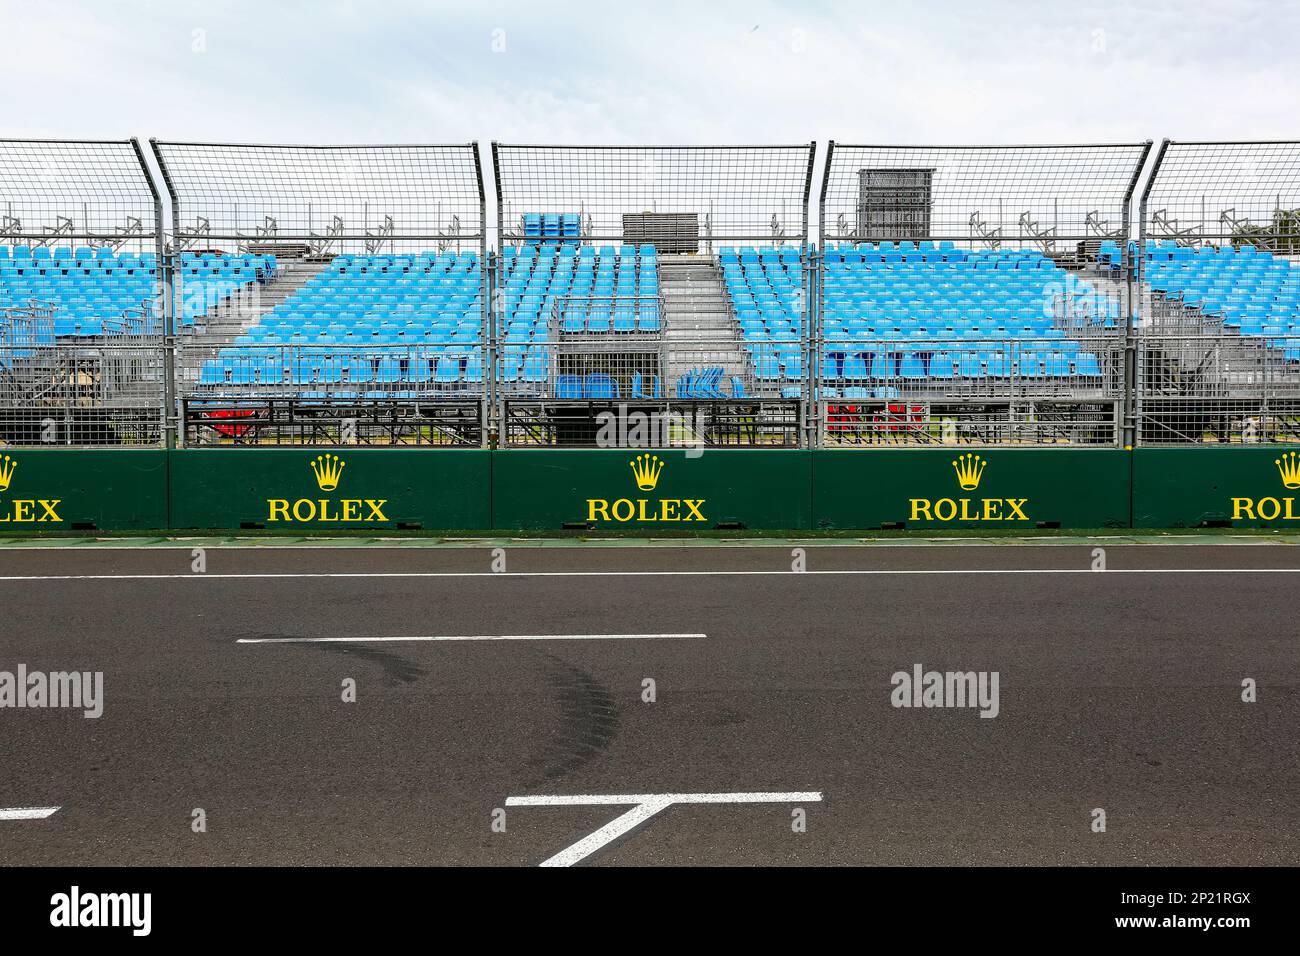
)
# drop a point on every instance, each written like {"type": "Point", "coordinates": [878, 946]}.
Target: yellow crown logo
{"type": "Point", "coordinates": [646, 468]}
{"type": "Point", "coordinates": [969, 468]}
{"type": "Point", "coordinates": [1288, 467]}
{"type": "Point", "coordinates": [7, 466]}
{"type": "Point", "coordinates": [328, 468]}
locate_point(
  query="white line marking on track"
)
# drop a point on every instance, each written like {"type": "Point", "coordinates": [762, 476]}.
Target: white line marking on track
{"type": "Point", "coordinates": [467, 637]}
{"type": "Point", "coordinates": [884, 572]}
{"type": "Point", "coordinates": [27, 813]}
{"type": "Point", "coordinates": [644, 807]}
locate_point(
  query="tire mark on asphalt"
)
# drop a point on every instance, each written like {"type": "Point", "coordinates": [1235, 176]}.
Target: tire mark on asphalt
{"type": "Point", "coordinates": [396, 669]}
{"type": "Point", "coordinates": [588, 720]}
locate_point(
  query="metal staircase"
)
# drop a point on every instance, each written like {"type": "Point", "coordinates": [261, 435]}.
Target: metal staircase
{"type": "Point", "coordinates": [699, 321]}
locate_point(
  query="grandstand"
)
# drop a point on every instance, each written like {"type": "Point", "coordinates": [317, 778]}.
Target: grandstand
{"type": "Point", "coordinates": [578, 320]}
{"type": "Point", "coordinates": [94, 291]}
{"type": "Point", "coordinates": [1242, 289]}
{"type": "Point", "coordinates": [949, 294]}
{"type": "Point", "coordinates": [363, 326]}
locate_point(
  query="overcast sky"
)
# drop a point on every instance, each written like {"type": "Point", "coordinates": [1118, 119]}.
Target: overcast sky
{"type": "Point", "coordinates": [652, 72]}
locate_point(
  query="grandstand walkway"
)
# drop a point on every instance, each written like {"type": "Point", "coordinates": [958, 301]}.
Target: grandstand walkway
{"type": "Point", "coordinates": [224, 322]}
{"type": "Point", "coordinates": [1118, 690]}
{"type": "Point", "coordinates": [227, 319]}
{"type": "Point", "coordinates": [699, 324]}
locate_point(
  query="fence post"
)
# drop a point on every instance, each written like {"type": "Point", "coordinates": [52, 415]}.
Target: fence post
{"type": "Point", "coordinates": [491, 418]}
{"type": "Point", "coordinates": [812, 347]}
{"type": "Point", "coordinates": [1132, 286]}
{"type": "Point", "coordinates": [1138, 271]}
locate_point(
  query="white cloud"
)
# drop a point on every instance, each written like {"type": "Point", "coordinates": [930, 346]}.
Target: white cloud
{"type": "Point", "coordinates": [671, 72]}
{"type": "Point", "coordinates": [676, 71]}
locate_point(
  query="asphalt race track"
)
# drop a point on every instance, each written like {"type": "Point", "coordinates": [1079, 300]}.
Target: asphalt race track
{"type": "Point", "coordinates": [1119, 690]}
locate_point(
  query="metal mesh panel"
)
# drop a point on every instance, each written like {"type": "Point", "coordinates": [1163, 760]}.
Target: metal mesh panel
{"type": "Point", "coordinates": [1221, 388]}
{"type": "Point", "coordinates": [984, 196]}
{"type": "Point", "coordinates": [612, 287]}
{"type": "Point", "coordinates": [54, 192]}
{"type": "Point", "coordinates": [332, 198]}
{"type": "Point", "coordinates": [673, 197]}
{"type": "Point", "coordinates": [1219, 354]}
{"type": "Point", "coordinates": [81, 354]}
{"type": "Point", "coordinates": [1226, 193]}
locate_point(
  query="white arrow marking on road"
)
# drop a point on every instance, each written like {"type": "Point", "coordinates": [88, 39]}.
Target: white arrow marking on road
{"type": "Point", "coordinates": [644, 807]}
{"type": "Point", "coordinates": [27, 813]}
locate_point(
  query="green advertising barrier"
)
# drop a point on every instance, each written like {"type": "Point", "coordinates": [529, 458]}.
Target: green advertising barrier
{"type": "Point", "coordinates": [632, 489]}
{"type": "Point", "coordinates": [74, 489]}
{"type": "Point", "coordinates": [435, 489]}
{"type": "Point", "coordinates": [1236, 487]}
{"type": "Point", "coordinates": [965, 488]}
{"type": "Point", "coordinates": [334, 489]}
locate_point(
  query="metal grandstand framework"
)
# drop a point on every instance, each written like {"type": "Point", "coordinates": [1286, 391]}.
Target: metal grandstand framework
{"type": "Point", "coordinates": [396, 210]}
{"type": "Point", "coordinates": [1065, 203]}
{"type": "Point", "coordinates": [105, 383]}
{"type": "Point", "coordinates": [1207, 372]}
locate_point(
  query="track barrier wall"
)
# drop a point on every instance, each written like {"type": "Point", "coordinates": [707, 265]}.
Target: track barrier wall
{"type": "Point", "coordinates": [628, 489]}
{"type": "Point", "coordinates": [82, 490]}
{"type": "Point", "coordinates": [968, 488]}
{"type": "Point", "coordinates": [69, 490]}
{"type": "Point", "coordinates": [330, 489]}
{"type": "Point", "coordinates": [1231, 487]}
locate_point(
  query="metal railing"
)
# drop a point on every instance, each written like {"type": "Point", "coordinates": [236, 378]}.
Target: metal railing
{"type": "Point", "coordinates": [334, 420]}
{"type": "Point", "coordinates": [652, 423]}
{"type": "Point", "coordinates": [1021, 391]}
